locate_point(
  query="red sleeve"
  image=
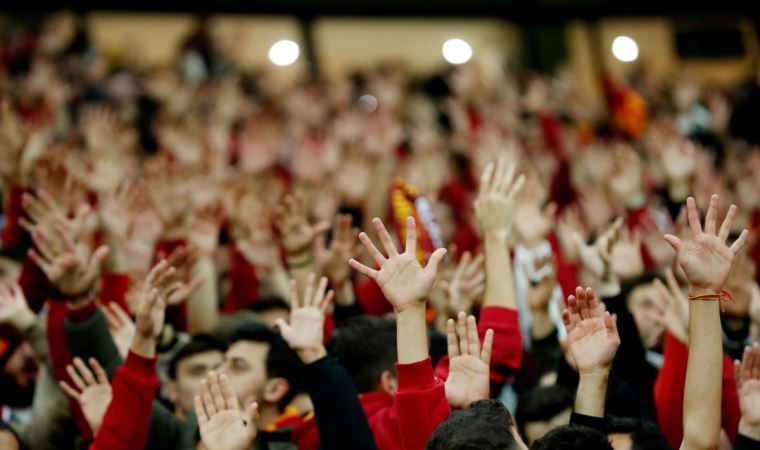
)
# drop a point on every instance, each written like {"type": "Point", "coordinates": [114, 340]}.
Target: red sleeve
{"type": "Point", "coordinates": [371, 298]}
{"type": "Point", "coordinates": [125, 425]}
{"type": "Point", "coordinates": [669, 393]}
{"type": "Point", "coordinates": [13, 234]}
{"type": "Point", "coordinates": [244, 284]}
{"type": "Point", "coordinates": [114, 288]}
{"type": "Point", "coordinates": [421, 403]}
{"type": "Point", "coordinates": [507, 351]}
{"type": "Point", "coordinates": [35, 285]}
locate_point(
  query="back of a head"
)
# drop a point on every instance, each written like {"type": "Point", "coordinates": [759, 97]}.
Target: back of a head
{"type": "Point", "coordinates": [644, 434]}
{"type": "Point", "coordinates": [573, 437]}
{"type": "Point", "coordinates": [366, 346]}
{"type": "Point", "coordinates": [484, 425]}
{"type": "Point", "coordinates": [541, 404]}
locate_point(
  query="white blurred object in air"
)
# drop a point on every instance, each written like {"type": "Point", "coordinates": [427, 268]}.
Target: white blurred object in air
{"type": "Point", "coordinates": [456, 51]}
{"type": "Point", "coordinates": [625, 49]}
{"type": "Point", "coordinates": [284, 53]}
{"type": "Point", "coordinates": [368, 103]}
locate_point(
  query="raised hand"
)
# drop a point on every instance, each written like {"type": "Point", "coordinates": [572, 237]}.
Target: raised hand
{"type": "Point", "coordinates": [495, 203]}
{"type": "Point", "coordinates": [223, 425]}
{"type": "Point", "coordinates": [13, 308]}
{"type": "Point", "coordinates": [596, 258]}
{"type": "Point", "coordinates": [747, 373]}
{"type": "Point", "coordinates": [331, 259]}
{"type": "Point", "coordinates": [466, 284]}
{"type": "Point", "coordinates": [92, 392]}
{"type": "Point", "coordinates": [182, 260]}
{"type": "Point", "coordinates": [44, 211]}
{"type": "Point", "coordinates": [296, 232]}
{"type": "Point", "coordinates": [706, 258]}
{"type": "Point", "coordinates": [676, 306]}
{"type": "Point", "coordinates": [468, 379]}
{"type": "Point", "coordinates": [72, 268]}
{"type": "Point", "coordinates": [592, 335]}
{"type": "Point", "coordinates": [204, 230]}
{"type": "Point", "coordinates": [401, 277]}
{"type": "Point", "coordinates": [305, 332]}
{"type": "Point", "coordinates": [121, 326]}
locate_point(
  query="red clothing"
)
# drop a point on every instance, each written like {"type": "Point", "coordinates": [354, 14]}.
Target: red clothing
{"type": "Point", "coordinates": [371, 298]}
{"type": "Point", "coordinates": [13, 234]}
{"type": "Point", "coordinates": [127, 420]}
{"type": "Point", "coordinates": [114, 288]}
{"type": "Point", "coordinates": [669, 393]}
{"type": "Point", "coordinates": [244, 284]}
{"type": "Point", "coordinates": [507, 353]}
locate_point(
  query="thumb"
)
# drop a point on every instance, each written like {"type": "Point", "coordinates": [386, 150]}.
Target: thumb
{"type": "Point", "coordinates": [285, 329]}
{"type": "Point", "coordinates": [252, 415]}
{"type": "Point", "coordinates": [435, 259]}
{"type": "Point", "coordinates": [674, 242]}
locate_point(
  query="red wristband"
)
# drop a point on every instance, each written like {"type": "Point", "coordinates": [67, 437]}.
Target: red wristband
{"type": "Point", "coordinates": [720, 296]}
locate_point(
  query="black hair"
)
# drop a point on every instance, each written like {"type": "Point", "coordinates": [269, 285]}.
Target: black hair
{"type": "Point", "coordinates": [269, 303]}
{"type": "Point", "coordinates": [366, 346]}
{"type": "Point", "coordinates": [484, 425]}
{"type": "Point", "coordinates": [200, 343]}
{"type": "Point", "coordinates": [281, 361]}
{"type": "Point", "coordinates": [645, 435]}
{"type": "Point", "coordinates": [542, 403]}
{"type": "Point", "coordinates": [573, 437]}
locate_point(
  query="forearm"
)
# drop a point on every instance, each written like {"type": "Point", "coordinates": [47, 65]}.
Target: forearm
{"type": "Point", "coordinates": [300, 266]}
{"type": "Point", "coordinates": [116, 260]}
{"type": "Point", "coordinates": [702, 388]}
{"type": "Point", "coordinates": [500, 287]}
{"type": "Point", "coordinates": [202, 306]}
{"type": "Point", "coordinates": [411, 335]}
{"type": "Point", "coordinates": [592, 393]}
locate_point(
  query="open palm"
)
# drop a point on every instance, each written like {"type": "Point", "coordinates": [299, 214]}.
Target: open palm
{"type": "Point", "coordinates": [706, 258]}
{"type": "Point", "coordinates": [469, 371]}
{"type": "Point", "coordinates": [403, 280]}
{"type": "Point", "coordinates": [223, 425]}
{"type": "Point", "coordinates": [592, 335]}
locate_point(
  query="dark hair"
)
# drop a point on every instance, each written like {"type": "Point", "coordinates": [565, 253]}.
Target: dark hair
{"type": "Point", "coordinates": [645, 435]}
{"type": "Point", "coordinates": [200, 343]}
{"type": "Point", "coordinates": [542, 403]}
{"type": "Point", "coordinates": [269, 303]}
{"type": "Point", "coordinates": [366, 346]}
{"type": "Point", "coordinates": [573, 437]}
{"type": "Point", "coordinates": [281, 362]}
{"type": "Point", "coordinates": [484, 425]}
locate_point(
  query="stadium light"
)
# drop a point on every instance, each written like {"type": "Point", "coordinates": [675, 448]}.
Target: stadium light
{"type": "Point", "coordinates": [456, 51]}
{"type": "Point", "coordinates": [625, 49]}
{"type": "Point", "coordinates": [284, 53]}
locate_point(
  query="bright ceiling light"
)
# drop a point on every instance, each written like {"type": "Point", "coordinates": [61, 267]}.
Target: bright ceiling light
{"type": "Point", "coordinates": [625, 49]}
{"type": "Point", "coordinates": [456, 51]}
{"type": "Point", "coordinates": [284, 53]}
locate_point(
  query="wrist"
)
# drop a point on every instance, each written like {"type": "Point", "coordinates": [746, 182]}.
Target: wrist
{"type": "Point", "coordinates": [748, 429]}
{"type": "Point", "coordinates": [312, 354]}
{"type": "Point", "coordinates": [300, 259]}
{"type": "Point", "coordinates": [599, 373]}
{"type": "Point", "coordinates": [143, 345]}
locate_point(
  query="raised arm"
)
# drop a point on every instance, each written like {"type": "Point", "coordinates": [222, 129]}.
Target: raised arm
{"type": "Point", "coordinates": [747, 374]}
{"type": "Point", "coordinates": [706, 260]}
{"type": "Point", "coordinates": [494, 208]}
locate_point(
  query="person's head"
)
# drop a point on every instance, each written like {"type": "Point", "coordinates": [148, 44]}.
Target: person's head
{"type": "Point", "coordinates": [366, 346]}
{"type": "Point", "coordinates": [261, 367]}
{"type": "Point", "coordinates": [189, 366]}
{"type": "Point", "coordinates": [573, 437]}
{"type": "Point", "coordinates": [269, 309]}
{"type": "Point", "coordinates": [18, 369]}
{"type": "Point", "coordinates": [8, 438]}
{"type": "Point", "coordinates": [646, 306]}
{"type": "Point", "coordinates": [484, 425]}
{"type": "Point", "coordinates": [542, 409]}
{"type": "Point", "coordinates": [634, 434]}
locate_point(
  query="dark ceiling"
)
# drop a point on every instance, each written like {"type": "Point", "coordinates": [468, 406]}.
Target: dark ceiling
{"type": "Point", "coordinates": [517, 10]}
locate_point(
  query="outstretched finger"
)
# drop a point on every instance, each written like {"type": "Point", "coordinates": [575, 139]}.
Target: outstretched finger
{"type": "Point", "coordinates": [75, 378]}
{"type": "Point", "coordinates": [208, 400]}
{"type": "Point", "coordinates": [411, 236]}
{"type": "Point", "coordinates": [473, 342]}
{"type": "Point", "coordinates": [462, 333]}
{"type": "Point", "coordinates": [308, 294]}
{"type": "Point", "coordinates": [435, 259]}
{"type": "Point", "coordinates": [200, 411]}
{"type": "Point", "coordinates": [711, 218]}
{"type": "Point", "coordinates": [740, 241]}
{"type": "Point", "coordinates": [228, 392]}
{"type": "Point", "coordinates": [693, 216]}
{"type": "Point", "coordinates": [486, 178]}
{"type": "Point", "coordinates": [451, 339]}
{"type": "Point", "coordinates": [371, 249]}
{"type": "Point", "coordinates": [485, 355]}
{"type": "Point", "coordinates": [70, 391]}
{"type": "Point", "coordinates": [385, 237]}
{"type": "Point", "coordinates": [100, 374]}
{"type": "Point", "coordinates": [725, 227]}
{"type": "Point", "coordinates": [361, 268]}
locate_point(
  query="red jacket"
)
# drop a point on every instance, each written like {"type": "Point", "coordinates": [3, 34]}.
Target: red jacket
{"type": "Point", "coordinates": [127, 420]}
{"type": "Point", "coordinates": [669, 393]}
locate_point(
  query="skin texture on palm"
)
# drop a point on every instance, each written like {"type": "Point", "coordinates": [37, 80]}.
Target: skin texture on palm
{"type": "Point", "coordinates": [304, 333]}
{"type": "Point", "coordinates": [223, 425]}
{"type": "Point", "coordinates": [747, 373]}
{"type": "Point", "coordinates": [468, 379]}
{"type": "Point", "coordinates": [92, 390]}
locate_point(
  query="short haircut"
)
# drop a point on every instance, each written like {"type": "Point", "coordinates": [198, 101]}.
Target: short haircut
{"type": "Point", "coordinates": [645, 435]}
{"type": "Point", "coordinates": [484, 425]}
{"type": "Point", "coordinates": [541, 404]}
{"type": "Point", "coordinates": [268, 304]}
{"type": "Point", "coordinates": [281, 361]}
{"type": "Point", "coordinates": [573, 437]}
{"type": "Point", "coordinates": [199, 343]}
{"type": "Point", "coordinates": [366, 346]}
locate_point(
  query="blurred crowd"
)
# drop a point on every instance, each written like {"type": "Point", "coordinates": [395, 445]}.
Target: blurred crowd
{"type": "Point", "coordinates": [176, 242]}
